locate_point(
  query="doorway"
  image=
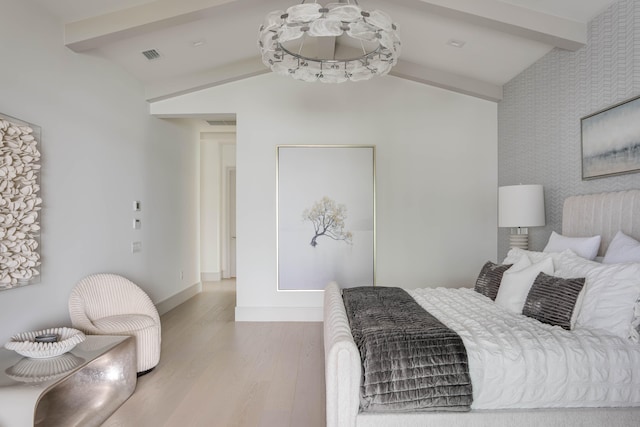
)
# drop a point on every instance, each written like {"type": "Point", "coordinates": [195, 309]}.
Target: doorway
{"type": "Point", "coordinates": [218, 201]}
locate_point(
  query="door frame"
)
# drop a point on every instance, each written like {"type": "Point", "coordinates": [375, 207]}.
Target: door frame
{"type": "Point", "coordinates": [229, 245]}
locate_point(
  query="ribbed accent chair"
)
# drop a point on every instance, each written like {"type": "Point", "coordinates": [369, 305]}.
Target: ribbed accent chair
{"type": "Point", "coordinates": [108, 304]}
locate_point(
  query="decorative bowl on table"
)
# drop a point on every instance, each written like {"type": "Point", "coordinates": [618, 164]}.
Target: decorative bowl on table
{"type": "Point", "coordinates": [37, 370]}
{"type": "Point", "coordinates": [46, 343]}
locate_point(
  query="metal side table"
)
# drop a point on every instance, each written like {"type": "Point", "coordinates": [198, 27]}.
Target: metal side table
{"type": "Point", "coordinates": [80, 388]}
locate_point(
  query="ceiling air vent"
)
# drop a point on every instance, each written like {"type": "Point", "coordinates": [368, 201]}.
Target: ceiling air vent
{"type": "Point", "coordinates": [221, 122]}
{"type": "Point", "coordinates": [151, 54]}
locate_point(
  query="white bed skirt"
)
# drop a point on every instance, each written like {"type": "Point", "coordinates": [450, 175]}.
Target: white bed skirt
{"type": "Point", "coordinates": [588, 417]}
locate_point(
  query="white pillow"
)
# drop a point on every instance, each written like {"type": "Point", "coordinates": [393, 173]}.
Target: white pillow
{"type": "Point", "coordinates": [569, 266]}
{"type": "Point", "coordinates": [622, 249]}
{"type": "Point", "coordinates": [611, 293]}
{"type": "Point", "coordinates": [515, 254]}
{"type": "Point", "coordinates": [586, 247]}
{"type": "Point", "coordinates": [517, 281]}
{"type": "Point", "coordinates": [520, 263]}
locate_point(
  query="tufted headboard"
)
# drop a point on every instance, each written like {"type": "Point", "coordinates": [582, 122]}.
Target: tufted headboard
{"type": "Point", "coordinates": [603, 214]}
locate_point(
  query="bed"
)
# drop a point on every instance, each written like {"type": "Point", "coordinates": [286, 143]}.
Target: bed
{"type": "Point", "coordinates": [543, 404]}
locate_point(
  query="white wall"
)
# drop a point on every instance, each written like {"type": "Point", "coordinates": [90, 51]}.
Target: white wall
{"type": "Point", "coordinates": [101, 151]}
{"type": "Point", "coordinates": [539, 117]}
{"type": "Point", "coordinates": [217, 153]}
{"type": "Point", "coordinates": [436, 177]}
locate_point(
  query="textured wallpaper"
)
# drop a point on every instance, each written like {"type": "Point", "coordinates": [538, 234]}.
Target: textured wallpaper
{"type": "Point", "coordinates": [539, 118]}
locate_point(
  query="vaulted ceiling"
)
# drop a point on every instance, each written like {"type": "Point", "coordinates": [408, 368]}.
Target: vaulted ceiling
{"type": "Point", "coordinates": [203, 43]}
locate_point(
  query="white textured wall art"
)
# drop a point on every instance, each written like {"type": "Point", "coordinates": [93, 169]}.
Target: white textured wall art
{"type": "Point", "coordinates": [19, 203]}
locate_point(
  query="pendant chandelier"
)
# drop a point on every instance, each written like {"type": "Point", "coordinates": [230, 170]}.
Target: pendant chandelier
{"type": "Point", "coordinates": [360, 44]}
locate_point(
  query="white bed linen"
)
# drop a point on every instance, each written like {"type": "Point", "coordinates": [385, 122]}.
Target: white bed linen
{"type": "Point", "coordinates": [518, 362]}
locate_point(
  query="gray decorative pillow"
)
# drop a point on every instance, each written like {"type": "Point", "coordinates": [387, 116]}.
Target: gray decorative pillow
{"type": "Point", "coordinates": [552, 299]}
{"type": "Point", "coordinates": [489, 279]}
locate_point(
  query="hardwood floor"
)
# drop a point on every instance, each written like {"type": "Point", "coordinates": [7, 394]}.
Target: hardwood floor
{"type": "Point", "coordinates": [215, 372]}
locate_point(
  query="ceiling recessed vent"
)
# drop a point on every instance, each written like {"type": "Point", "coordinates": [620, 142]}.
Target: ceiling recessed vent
{"type": "Point", "coordinates": [151, 54]}
{"type": "Point", "coordinates": [221, 122]}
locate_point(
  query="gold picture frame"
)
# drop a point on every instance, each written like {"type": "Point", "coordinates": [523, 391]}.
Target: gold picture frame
{"type": "Point", "coordinates": [325, 216]}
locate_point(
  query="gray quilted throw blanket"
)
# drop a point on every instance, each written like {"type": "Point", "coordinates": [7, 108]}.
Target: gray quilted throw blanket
{"type": "Point", "coordinates": [411, 361]}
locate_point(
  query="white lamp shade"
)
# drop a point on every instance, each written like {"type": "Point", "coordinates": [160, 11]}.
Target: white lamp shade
{"type": "Point", "coordinates": [521, 206]}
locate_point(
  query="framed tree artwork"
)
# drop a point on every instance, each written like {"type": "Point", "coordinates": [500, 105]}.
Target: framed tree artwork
{"type": "Point", "coordinates": [325, 216]}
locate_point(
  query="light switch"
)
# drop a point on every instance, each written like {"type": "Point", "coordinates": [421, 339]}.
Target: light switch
{"type": "Point", "coordinates": [137, 224]}
{"type": "Point", "coordinates": [136, 247]}
{"type": "Point", "coordinates": [136, 206]}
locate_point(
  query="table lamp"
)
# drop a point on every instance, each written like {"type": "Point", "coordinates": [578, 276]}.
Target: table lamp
{"type": "Point", "coordinates": [520, 207]}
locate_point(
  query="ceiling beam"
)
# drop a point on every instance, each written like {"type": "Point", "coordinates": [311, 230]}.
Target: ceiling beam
{"type": "Point", "coordinates": [252, 67]}
{"type": "Point", "coordinates": [197, 81]}
{"type": "Point", "coordinates": [511, 19]}
{"type": "Point", "coordinates": [447, 80]}
{"type": "Point", "coordinates": [94, 32]}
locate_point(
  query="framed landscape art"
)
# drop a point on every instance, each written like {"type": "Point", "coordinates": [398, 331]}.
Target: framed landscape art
{"type": "Point", "coordinates": [611, 140]}
{"type": "Point", "coordinates": [325, 216]}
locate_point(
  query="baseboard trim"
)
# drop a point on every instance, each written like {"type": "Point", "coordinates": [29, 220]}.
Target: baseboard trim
{"type": "Point", "coordinates": [278, 314]}
{"type": "Point", "coordinates": [172, 302]}
{"type": "Point", "coordinates": [211, 277]}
